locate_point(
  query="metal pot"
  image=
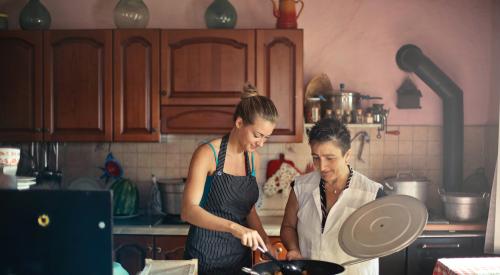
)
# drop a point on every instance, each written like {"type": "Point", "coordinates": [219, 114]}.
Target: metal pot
{"type": "Point", "coordinates": [463, 207]}
{"type": "Point", "coordinates": [345, 101]}
{"type": "Point", "coordinates": [407, 183]}
{"type": "Point", "coordinates": [171, 195]}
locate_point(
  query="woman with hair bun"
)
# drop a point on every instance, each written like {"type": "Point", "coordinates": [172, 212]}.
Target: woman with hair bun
{"type": "Point", "coordinates": [221, 190]}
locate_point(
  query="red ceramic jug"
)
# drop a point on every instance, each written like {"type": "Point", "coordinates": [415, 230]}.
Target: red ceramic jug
{"type": "Point", "coordinates": [287, 17]}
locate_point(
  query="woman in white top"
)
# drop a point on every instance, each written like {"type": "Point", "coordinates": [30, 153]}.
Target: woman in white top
{"type": "Point", "coordinates": [322, 200]}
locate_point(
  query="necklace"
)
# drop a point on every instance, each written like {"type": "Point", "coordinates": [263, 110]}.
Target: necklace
{"type": "Point", "coordinates": [322, 192]}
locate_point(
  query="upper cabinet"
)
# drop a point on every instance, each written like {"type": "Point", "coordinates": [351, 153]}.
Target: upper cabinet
{"type": "Point", "coordinates": [203, 72]}
{"type": "Point", "coordinates": [136, 85]}
{"type": "Point", "coordinates": [21, 86]}
{"type": "Point", "coordinates": [280, 77]}
{"type": "Point", "coordinates": [127, 85]}
{"type": "Point", "coordinates": [78, 85]}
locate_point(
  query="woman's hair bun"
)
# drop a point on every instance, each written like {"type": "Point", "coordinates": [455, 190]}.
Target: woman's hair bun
{"type": "Point", "coordinates": [249, 90]}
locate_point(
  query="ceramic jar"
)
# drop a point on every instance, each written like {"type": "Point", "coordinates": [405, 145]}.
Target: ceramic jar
{"type": "Point", "coordinates": [34, 16]}
{"type": "Point", "coordinates": [220, 15]}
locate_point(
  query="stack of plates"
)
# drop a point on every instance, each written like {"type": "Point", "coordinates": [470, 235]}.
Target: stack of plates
{"type": "Point", "coordinates": [24, 183]}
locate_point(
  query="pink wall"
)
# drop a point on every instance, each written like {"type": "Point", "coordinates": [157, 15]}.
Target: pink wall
{"type": "Point", "coordinates": [353, 41]}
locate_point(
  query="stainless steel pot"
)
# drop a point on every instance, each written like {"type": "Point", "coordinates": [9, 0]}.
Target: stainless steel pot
{"type": "Point", "coordinates": [346, 101]}
{"type": "Point", "coordinates": [171, 195]}
{"type": "Point", "coordinates": [463, 207]}
{"type": "Point", "coordinates": [407, 183]}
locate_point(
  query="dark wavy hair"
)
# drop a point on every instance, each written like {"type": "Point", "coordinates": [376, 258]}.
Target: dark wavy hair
{"type": "Point", "coordinates": [252, 104]}
{"type": "Point", "coordinates": [331, 129]}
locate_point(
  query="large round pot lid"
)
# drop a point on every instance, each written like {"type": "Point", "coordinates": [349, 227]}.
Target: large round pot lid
{"type": "Point", "coordinates": [383, 226]}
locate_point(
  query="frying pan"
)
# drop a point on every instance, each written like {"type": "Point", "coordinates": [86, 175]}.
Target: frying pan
{"type": "Point", "coordinates": [376, 229]}
{"type": "Point", "coordinates": [313, 267]}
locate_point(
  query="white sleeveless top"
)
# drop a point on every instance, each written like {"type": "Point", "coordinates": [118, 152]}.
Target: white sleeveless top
{"type": "Point", "coordinates": [325, 247]}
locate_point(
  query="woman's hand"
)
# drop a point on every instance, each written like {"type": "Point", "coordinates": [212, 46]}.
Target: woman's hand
{"type": "Point", "coordinates": [294, 255]}
{"type": "Point", "coordinates": [248, 237]}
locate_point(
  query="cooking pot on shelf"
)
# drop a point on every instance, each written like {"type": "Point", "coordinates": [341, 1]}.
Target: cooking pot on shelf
{"type": "Point", "coordinates": [464, 207]}
{"type": "Point", "coordinates": [407, 183]}
{"type": "Point", "coordinates": [171, 195]}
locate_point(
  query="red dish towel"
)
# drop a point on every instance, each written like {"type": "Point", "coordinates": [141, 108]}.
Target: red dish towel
{"type": "Point", "coordinates": [480, 266]}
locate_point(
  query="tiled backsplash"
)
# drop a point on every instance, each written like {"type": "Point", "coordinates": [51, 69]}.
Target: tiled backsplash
{"type": "Point", "coordinates": [417, 148]}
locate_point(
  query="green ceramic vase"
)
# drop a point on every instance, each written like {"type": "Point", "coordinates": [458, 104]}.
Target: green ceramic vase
{"type": "Point", "coordinates": [220, 15]}
{"type": "Point", "coordinates": [34, 16]}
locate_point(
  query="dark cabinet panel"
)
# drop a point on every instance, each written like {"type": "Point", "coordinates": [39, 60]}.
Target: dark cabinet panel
{"type": "Point", "coordinates": [424, 252]}
{"type": "Point", "coordinates": [78, 85]}
{"type": "Point", "coordinates": [394, 264]}
{"type": "Point", "coordinates": [132, 250]}
{"type": "Point", "coordinates": [136, 85]}
{"type": "Point", "coordinates": [21, 85]}
{"type": "Point", "coordinates": [279, 76]}
{"type": "Point", "coordinates": [206, 67]}
{"type": "Point", "coordinates": [170, 247]}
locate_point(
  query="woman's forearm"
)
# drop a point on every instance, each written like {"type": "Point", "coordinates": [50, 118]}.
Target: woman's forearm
{"type": "Point", "coordinates": [288, 235]}
{"type": "Point", "coordinates": [198, 216]}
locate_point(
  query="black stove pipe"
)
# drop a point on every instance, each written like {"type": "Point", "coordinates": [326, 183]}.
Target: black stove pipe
{"type": "Point", "coordinates": [411, 59]}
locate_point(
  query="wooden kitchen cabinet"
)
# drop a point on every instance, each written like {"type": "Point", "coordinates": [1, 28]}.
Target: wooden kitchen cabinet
{"type": "Point", "coordinates": [280, 77]}
{"type": "Point", "coordinates": [132, 250]}
{"type": "Point", "coordinates": [170, 247]}
{"type": "Point", "coordinates": [21, 90]}
{"type": "Point", "coordinates": [78, 85]}
{"type": "Point", "coordinates": [136, 85]}
{"type": "Point", "coordinates": [203, 72]}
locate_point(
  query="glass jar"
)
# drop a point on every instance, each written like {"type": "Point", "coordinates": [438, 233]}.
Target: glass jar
{"type": "Point", "coordinates": [129, 14]}
{"type": "Point", "coordinates": [4, 21]}
{"type": "Point", "coordinates": [313, 109]}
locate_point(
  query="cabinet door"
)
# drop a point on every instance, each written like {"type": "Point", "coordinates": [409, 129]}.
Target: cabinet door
{"type": "Point", "coordinates": [136, 85]}
{"type": "Point", "coordinates": [197, 120]}
{"type": "Point", "coordinates": [206, 67]}
{"type": "Point", "coordinates": [132, 250]}
{"type": "Point", "coordinates": [21, 85]}
{"type": "Point", "coordinates": [424, 252]}
{"type": "Point", "coordinates": [280, 77]}
{"type": "Point", "coordinates": [394, 264]}
{"type": "Point", "coordinates": [277, 245]}
{"type": "Point", "coordinates": [78, 85]}
{"type": "Point", "coordinates": [170, 247]}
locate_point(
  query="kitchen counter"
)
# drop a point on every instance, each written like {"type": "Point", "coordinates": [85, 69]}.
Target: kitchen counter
{"type": "Point", "coordinates": [272, 226]}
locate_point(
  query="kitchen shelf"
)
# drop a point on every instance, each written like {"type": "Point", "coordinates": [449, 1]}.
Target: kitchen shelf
{"type": "Point", "coordinates": [364, 125]}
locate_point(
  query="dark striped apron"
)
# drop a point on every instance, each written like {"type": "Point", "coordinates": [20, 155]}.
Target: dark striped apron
{"type": "Point", "coordinates": [230, 197]}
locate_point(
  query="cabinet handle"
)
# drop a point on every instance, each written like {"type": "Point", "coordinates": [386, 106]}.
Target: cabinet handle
{"type": "Point", "coordinates": [150, 248]}
{"type": "Point", "coordinates": [433, 246]}
{"type": "Point", "coordinates": [163, 93]}
{"type": "Point", "coordinates": [158, 250]}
